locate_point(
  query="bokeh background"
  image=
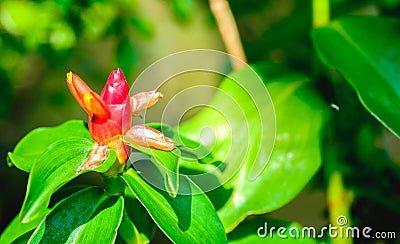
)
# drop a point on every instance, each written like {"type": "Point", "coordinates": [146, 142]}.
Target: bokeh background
{"type": "Point", "coordinates": [40, 41]}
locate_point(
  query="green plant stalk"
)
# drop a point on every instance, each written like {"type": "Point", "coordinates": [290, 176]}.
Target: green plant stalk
{"type": "Point", "coordinates": [339, 203]}
{"type": "Point", "coordinates": [114, 185]}
{"type": "Point", "coordinates": [320, 10]}
{"type": "Point", "coordinates": [229, 32]}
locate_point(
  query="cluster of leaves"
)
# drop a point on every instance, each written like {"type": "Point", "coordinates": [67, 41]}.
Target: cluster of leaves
{"type": "Point", "coordinates": [54, 33]}
{"type": "Point", "coordinates": [60, 25]}
{"type": "Point", "coordinates": [51, 30]}
{"type": "Point", "coordinates": [365, 50]}
{"type": "Point", "coordinates": [369, 61]}
{"type": "Point", "coordinates": [186, 215]}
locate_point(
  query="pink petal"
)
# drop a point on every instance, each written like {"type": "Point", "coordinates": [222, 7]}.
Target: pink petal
{"type": "Point", "coordinates": [144, 100]}
{"type": "Point", "coordinates": [148, 137]}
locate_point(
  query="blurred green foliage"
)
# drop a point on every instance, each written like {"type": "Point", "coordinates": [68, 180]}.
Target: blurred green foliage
{"type": "Point", "coordinates": [42, 40]}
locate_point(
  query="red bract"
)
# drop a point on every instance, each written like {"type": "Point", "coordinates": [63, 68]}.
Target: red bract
{"type": "Point", "coordinates": [110, 116]}
{"type": "Point", "coordinates": [115, 95]}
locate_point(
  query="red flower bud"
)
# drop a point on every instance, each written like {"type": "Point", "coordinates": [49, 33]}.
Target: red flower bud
{"type": "Point", "coordinates": [116, 89]}
{"type": "Point", "coordinates": [110, 117]}
{"type": "Point", "coordinates": [115, 94]}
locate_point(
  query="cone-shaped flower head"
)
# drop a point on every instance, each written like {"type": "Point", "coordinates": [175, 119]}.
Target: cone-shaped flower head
{"type": "Point", "coordinates": [110, 114]}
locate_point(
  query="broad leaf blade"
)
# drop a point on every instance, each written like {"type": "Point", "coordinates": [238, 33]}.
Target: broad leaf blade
{"type": "Point", "coordinates": [17, 232]}
{"type": "Point", "coordinates": [189, 149]}
{"type": "Point", "coordinates": [56, 167]}
{"type": "Point", "coordinates": [166, 162]}
{"type": "Point", "coordinates": [241, 126]}
{"type": "Point", "coordinates": [366, 51]}
{"type": "Point", "coordinates": [29, 148]}
{"type": "Point", "coordinates": [16, 229]}
{"type": "Point", "coordinates": [294, 161]}
{"type": "Point", "coordinates": [296, 156]}
{"type": "Point", "coordinates": [87, 216]}
{"type": "Point", "coordinates": [184, 219]}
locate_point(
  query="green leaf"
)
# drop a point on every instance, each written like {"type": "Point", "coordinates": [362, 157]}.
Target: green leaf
{"type": "Point", "coordinates": [29, 148]}
{"type": "Point", "coordinates": [232, 122]}
{"type": "Point", "coordinates": [87, 216]}
{"type": "Point", "coordinates": [366, 51]}
{"type": "Point", "coordinates": [189, 149]}
{"type": "Point", "coordinates": [296, 156]}
{"type": "Point", "coordinates": [187, 218]}
{"type": "Point", "coordinates": [56, 167]}
{"type": "Point", "coordinates": [166, 162]}
{"type": "Point", "coordinates": [16, 230]}
{"type": "Point", "coordinates": [264, 230]}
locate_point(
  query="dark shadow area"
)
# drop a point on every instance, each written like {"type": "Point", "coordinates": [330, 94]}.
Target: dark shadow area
{"type": "Point", "coordinates": [218, 196]}
{"type": "Point", "coordinates": [139, 216]}
{"type": "Point", "coordinates": [181, 204]}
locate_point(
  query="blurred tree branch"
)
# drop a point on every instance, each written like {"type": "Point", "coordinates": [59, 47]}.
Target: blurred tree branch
{"type": "Point", "coordinates": [321, 14]}
{"type": "Point", "coordinates": [229, 32]}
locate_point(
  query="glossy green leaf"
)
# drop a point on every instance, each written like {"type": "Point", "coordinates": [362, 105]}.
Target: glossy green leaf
{"type": "Point", "coordinates": [23, 239]}
{"type": "Point", "coordinates": [366, 51]}
{"type": "Point", "coordinates": [231, 125]}
{"type": "Point", "coordinates": [264, 230]}
{"type": "Point", "coordinates": [296, 156]}
{"type": "Point", "coordinates": [189, 149]}
{"type": "Point", "coordinates": [29, 148]}
{"type": "Point", "coordinates": [17, 230]}
{"type": "Point", "coordinates": [187, 218]}
{"type": "Point", "coordinates": [166, 162]}
{"type": "Point", "coordinates": [54, 168]}
{"type": "Point", "coordinates": [87, 216]}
